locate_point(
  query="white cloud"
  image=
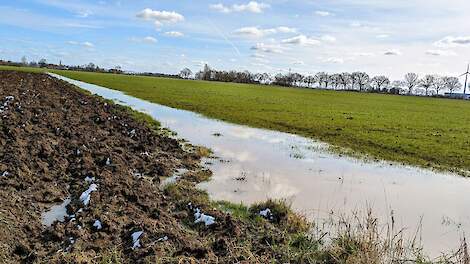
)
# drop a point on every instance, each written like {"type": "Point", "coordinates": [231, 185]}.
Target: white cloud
{"type": "Point", "coordinates": [85, 44]}
{"type": "Point", "coordinates": [268, 48]}
{"type": "Point", "coordinates": [440, 53]}
{"type": "Point", "coordinates": [148, 40]}
{"type": "Point", "coordinates": [258, 55]}
{"type": "Point", "coordinates": [392, 52]}
{"type": "Point", "coordinates": [328, 38]}
{"type": "Point", "coordinates": [220, 8]}
{"type": "Point", "coordinates": [364, 54]}
{"type": "Point", "coordinates": [160, 17]}
{"type": "Point", "coordinates": [322, 13]}
{"type": "Point", "coordinates": [174, 34]}
{"type": "Point", "coordinates": [283, 29]}
{"type": "Point", "coordinates": [301, 40]}
{"type": "Point", "coordinates": [84, 13]}
{"type": "Point", "coordinates": [88, 44]}
{"type": "Point", "coordinates": [356, 24]}
{"type": "Point", "coordinates": [299, 62]}
{"type": "Point", "coordinates": [334, 60]}
{"type": "Point", "coordinates": [451, 41]}
{"type": "Point", "coordinates": [258, 32]}
{"type": "Point", "coordinates": [382, 36]}
{"type": "Point", "coordinates": [253, 7]}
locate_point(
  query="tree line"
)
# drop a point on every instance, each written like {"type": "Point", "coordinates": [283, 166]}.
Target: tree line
{"type": "Point", "coordinates": [411, 84]}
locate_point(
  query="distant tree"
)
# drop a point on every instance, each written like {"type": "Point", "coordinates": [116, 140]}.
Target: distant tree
{"type": "Point", "coordinates": [453, 84]}
{"type": "Point", "coordinates": [439, 84]}
{"type": "Point", "coordinates": [380, 82]}
{"type": "Point", "coordinates": [186, 73]}
{"type": "Point", "coordinates": [396, 87]}
{"type": "Point", "coordinates": [335, 80]}
{"type": "Point", "coordinates": [411, 81]}
{"type": "Point", "coordinates": [33, 64]}
{"type": "Point", "coordinates": [345, 79]}
{"type": "Point", "coordinates": [362, 80]}
{"type": "Point", "coordinates": [91, 66]}
{"type": "Point", "coordinates": [320, 78]}
{"type": "Point", "coordinates": [427, 83]}
{"type": "Point", "coordinates": [309, 80]}
{"type": "Point", "coordinates": [42, 63]}
{"type": "Point", "coordinates": [24, 61]}
{"type": "Point", "coordinates": [297, 79]}
{"type": "Point", "coordinates": [206, 73]}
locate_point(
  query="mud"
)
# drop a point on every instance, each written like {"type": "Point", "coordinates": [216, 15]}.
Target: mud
{"type": "Point", "coordinates": [56, 142]}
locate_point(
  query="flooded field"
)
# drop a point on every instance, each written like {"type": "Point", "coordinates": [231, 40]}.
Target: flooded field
{"type": "Point", "coordinates": [254, 164]}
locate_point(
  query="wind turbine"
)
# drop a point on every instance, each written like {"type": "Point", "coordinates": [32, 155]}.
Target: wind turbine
{"type": "Point", "coordinates": [466, 78]}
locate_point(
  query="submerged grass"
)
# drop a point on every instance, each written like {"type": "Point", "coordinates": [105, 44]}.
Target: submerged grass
{"type": "Point", "coordinates": [427, 132]}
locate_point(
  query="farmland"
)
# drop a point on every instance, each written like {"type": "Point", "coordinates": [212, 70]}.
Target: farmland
{"type": "Point", "coordinates": [426, 132]}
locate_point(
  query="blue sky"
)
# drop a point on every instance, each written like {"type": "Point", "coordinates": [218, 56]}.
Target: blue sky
{"type": "Point", "coordinates": [388, 37]}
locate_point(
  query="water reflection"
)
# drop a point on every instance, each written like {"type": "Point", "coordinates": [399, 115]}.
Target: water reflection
{"type": "Point", "coordinates": [255, 164]}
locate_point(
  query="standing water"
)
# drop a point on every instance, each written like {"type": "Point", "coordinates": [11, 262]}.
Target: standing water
{"type": "Point", "coordinates": [255, 164]}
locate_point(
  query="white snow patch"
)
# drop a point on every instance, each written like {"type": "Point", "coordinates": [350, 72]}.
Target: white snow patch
{"type": "Point", "coordinates": [203, 218]}
{"type": "Point", "coordinates": [136, 239]}
{"type": "Point", "coordinates": [5, 174]}
{"type": "Point", "coordinates": [162, 239]}
{"type": "Point", "coordinates": [86, 195]}
{"type": "Point", "coordinates": [108, 161]}
{"type": "Point", "coordinates": [89, 179]}
{"type": "Point", "coordinates": [266, 213]}
{"type": "Point", "coordinates": [98, 225]}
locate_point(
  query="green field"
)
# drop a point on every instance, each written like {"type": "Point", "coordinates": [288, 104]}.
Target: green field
{"type": "Point", "coordinates": [427, 132]}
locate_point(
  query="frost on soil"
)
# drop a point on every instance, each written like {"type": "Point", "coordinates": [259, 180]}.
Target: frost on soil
{"type": "Point", "coordinates": [266, 213]}
{"type": "Point", "coordinates": [200, 217]}
{"type": "Point", "coordinates": [86, 195]}
{"type": "Point", "coordinates": [136, 239]}
{"type": "Point", "coordinates": [97, 224]}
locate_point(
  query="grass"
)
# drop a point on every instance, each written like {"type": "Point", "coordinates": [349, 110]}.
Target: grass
{"type": "Point", "coordinates": [427, 132]}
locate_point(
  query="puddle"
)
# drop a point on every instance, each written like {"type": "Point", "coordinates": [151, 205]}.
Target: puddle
{"type": "Point", "coordinates": [256, 164]}
{"type": "Point", "coordinates": [55, 213]}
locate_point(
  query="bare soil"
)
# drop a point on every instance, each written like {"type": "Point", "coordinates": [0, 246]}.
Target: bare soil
{"type": "Point", "coordinates": [54, 136]}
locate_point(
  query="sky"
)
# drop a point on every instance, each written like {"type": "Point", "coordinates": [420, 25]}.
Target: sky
{"type": "Point", "coordinates": [381, 37]}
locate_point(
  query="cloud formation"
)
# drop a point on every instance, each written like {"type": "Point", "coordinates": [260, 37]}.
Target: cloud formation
{"type": "Point", "coordinates": [253, 7]}
{"type": "Point", "coordinates": [322, 13]}
{"type": "Point", "coordinates": [267, 48]}
{"type": "Point", "coordinates": [160, 17]}
{"type": "Point", "coordinates": [301, 40]}
{"type": "Point", "coordinates": [451, 41]}
{"type": "Point", "coordinates": [258, 32]}
{"type": "Point", "coordinates": [392, 52]}
{"type": "Point", "coordinates": [174, 34]}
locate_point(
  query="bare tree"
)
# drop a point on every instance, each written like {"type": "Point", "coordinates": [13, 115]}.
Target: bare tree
{"type": "Point", "coordinates": [327, 80]}
{"type": "Point", "coordinates": [439, 84]}
{"type": "Point", "coordinates": [345, 79]}
{"type": "Point", "coordinates": [427, 82]}
{"type": "Point", "coordinates": [411, 81]}
{"type": "Point", "coordinates": [320, 78]}
{"type": "Point", "coordinates": [396, 87]}
{"type": "Point", "coordinates": [186, 73]}
{"type": "Point", "coordinates": [24, 61]}
{"type": "Point", "coordinates": [309, 80]}
{"type": "Point", "coordinates": [379, 82]}
{"type": "Point", "coordinates": [362, 79]}
{"type": "Point", "coordinates": [453, 84]}
{"type": "Point", "coordinates": [42, 63]}
{"type": "Point", "coordinates": [335, 80]}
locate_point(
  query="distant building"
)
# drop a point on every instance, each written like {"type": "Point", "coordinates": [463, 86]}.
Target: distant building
{"type": "Point", "coordinates": [458, 96]}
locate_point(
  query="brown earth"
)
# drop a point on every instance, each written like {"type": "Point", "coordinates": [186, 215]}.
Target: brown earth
{"type": "Point", "coordinates": [53, 136]}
